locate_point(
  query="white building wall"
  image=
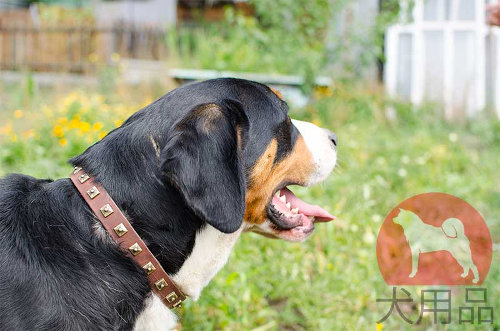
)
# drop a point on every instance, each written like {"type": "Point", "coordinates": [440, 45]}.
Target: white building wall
{"type": "Point", "coordinates": [445, 54]}
{"type": "Point", "coordinates": [145, 12]}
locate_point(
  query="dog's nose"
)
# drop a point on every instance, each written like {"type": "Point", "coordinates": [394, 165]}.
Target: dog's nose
{"type": "Point", "coordinates": [333, 138]}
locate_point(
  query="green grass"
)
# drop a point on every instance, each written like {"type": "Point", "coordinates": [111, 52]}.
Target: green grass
{"type": "Point", "coordinates": [331, 282]}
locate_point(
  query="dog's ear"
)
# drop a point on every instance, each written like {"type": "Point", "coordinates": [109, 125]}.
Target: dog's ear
{"type": "Point", "coordinates": [202, 160]}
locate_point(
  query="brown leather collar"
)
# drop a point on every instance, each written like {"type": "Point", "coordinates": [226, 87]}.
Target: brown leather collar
{"type": "Point", "coordinates": [120, 229]}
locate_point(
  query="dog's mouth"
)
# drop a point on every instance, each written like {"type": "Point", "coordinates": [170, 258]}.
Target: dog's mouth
{"type": "Point", "coordinates": [286, 211]}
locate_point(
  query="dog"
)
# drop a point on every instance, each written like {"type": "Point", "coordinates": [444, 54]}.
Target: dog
{"type": "Point", "coordinates": [192, 171]}
{"type": "Point", "coordinates": [425, 238]}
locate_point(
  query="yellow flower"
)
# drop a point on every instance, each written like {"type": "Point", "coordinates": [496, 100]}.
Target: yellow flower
{"type": "Point", "coordinates": [73, 124]}
{"type": "Point", "coordinates": [380, 326]}
{"type": "Point", "coordinates": [13, 137]}
{"type": "Point", "coordinates": [102, 134]}
{"type": "Point", "coordinates": [58, 131]}
{"type": "Point", "coordinates": [84, 126]}
{"type": "Point", "coordinates": [63, 142]}
{"type": "Point", "coordinates": [18, 113]}
{"type": "Point", "coordinates": [97, 126]}
{"type": "Point", "coordinates": [328, 92]}
{"type": "Point", "coordinates": [323, 91]}
{"type": "Point", "coordinates": [118, 122]}
{"type": "Point", "coordinates": [62, 120]}
{"type": "Point", "coordinates": [6, 129]}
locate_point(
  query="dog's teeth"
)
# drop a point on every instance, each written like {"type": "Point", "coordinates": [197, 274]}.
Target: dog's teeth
{"type": "Point", "coordinates": [283, 198]}
{"type": "Point", "coordinates": [277, 194]}
{"type": "Point", "coordinates": [295, 210]}
{"type": "Point", "coordinates": [288, 205]}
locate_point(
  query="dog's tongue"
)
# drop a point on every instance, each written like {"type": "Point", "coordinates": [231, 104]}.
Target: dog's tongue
{"type": "Point", "coordinates": [319, 214]}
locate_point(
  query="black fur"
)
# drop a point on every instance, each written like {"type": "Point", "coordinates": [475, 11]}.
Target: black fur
{"type": "Point", "coordinates": [204, 141]}
{"type": "Point", "coordinates": [167, 172]}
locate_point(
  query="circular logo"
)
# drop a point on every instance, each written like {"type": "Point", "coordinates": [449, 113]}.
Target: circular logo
{"type": "Point", "coordinates": [434, 239]}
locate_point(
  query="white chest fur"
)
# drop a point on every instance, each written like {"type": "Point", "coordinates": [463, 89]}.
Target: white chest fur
{"type": "Point", "coordinates": [210, 253]}
{"type": "Point", "coordinates": [155, 316]}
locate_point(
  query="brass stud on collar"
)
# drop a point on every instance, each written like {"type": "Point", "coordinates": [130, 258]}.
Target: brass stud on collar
{"type": "Point", "coordinates": [177, 304]}
{"type": "Point", "coordinates": [83, 178]}
{"type": "Point", "coordinates": [149, 268]}
{"type": "Point", "coordinates": [135, 249]}
{"type": "Point", "coordinates": [93, 192]}
{"type": "Point", "coordinates": [106, 210]}
{"type": "Point", "coordinates": [120, 229]}
{"type": "Point", "coordinates": [76, 170]}
{"type": "Point", "coordinates": [161, 284]}
{"type": "Point", "coordinates": [171, 297]}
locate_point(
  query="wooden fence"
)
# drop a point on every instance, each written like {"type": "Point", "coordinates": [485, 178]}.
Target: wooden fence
{"type": "Point", "coordinates": [76, 48]}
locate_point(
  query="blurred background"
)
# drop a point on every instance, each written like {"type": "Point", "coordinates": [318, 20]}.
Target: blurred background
{"type": "Point", "coordinates": [412, 89]}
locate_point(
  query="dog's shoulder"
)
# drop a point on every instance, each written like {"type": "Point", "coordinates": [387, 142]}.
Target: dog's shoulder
{"type": "Point", "coordinates": [17, 196]}
{"type": "Point", "coordinates": [51, 258]}
{"type": "Point", "coordinates": [19, 185]}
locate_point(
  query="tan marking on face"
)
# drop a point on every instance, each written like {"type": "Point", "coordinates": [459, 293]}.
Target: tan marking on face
{"type": "Point", "coordinates": [278, 93]}
{"type": "Point", "coordinates": [266, 176]}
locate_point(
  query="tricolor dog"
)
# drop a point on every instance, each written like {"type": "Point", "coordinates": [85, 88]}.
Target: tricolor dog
{"type": "Point", "coordinates": [191, 172]}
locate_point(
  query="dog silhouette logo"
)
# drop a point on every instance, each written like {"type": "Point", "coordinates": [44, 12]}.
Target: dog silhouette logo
{"type": "Point", "coordinates": [426, 238]}
{"type": "Point", "coordinates": [434, 239]}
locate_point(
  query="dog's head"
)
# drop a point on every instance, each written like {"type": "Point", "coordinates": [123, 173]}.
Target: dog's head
{"type": "Point", "coordinates": [404, 218]}
{"type": "Point", "coordinates": [233, 154]}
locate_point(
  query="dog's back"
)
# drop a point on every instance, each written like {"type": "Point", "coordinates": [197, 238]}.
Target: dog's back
{"type": "Point", "coordinates": [425, 237]}
{"type": "Point", "coordinates": [416, 230]}
{"type": "Point", "coordinates": [19, 239]}
{"type": "Point", "coordinates": [50, 262]}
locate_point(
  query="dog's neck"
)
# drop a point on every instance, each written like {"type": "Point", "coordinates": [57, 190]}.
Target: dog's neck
{"type": "Point", "coordinates": [210, 253]}
{"type": "Point", "coordinates": [189, 250]}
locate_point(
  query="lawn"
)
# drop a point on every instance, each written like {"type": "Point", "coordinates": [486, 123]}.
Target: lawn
{"type": "Point", "coordinates": [388, 151]}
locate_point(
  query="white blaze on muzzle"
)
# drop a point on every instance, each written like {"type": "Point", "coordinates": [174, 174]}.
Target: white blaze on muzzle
{"type": "Point", "coordinates": [320, 145]}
